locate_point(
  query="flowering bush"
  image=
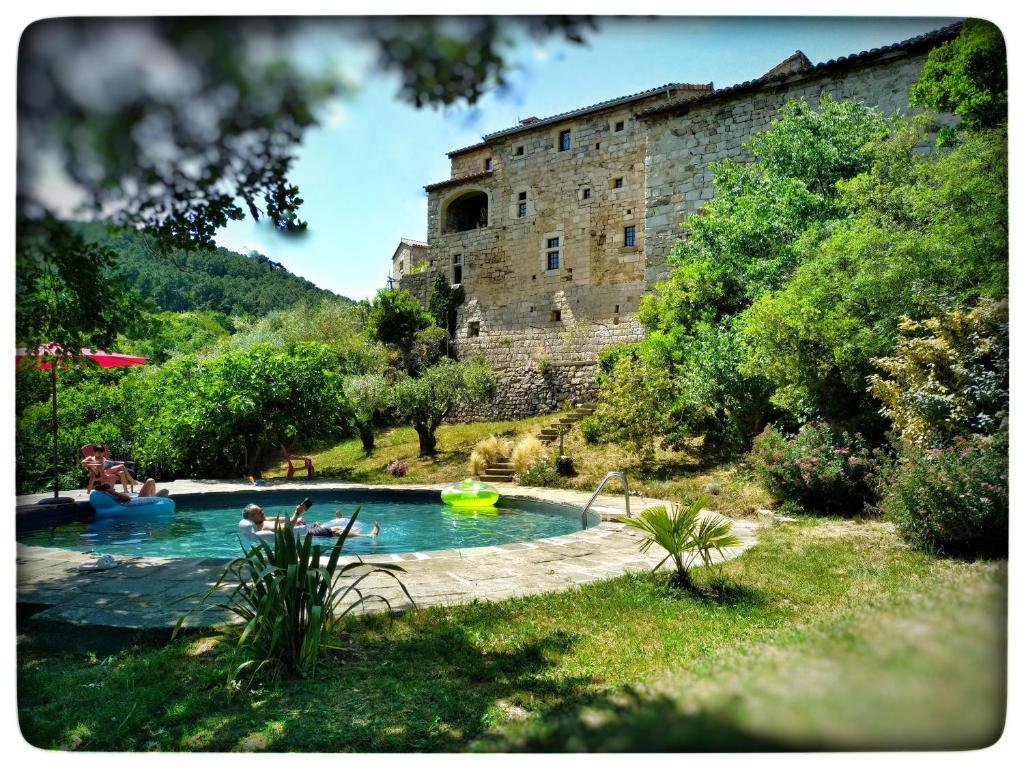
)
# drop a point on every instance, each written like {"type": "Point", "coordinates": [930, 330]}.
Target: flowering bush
{"type": "Point", "coordinates": [541, 472]}
{"type": "Point", "coordinates": [397, 468]}
{"type": "Point", "coordinates": [822, 470]}
{"type": "Point", "coordinates": [952, 500]}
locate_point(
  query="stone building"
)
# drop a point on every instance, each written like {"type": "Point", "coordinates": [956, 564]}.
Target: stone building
{"type": "Point", "coordinates": [557, 226]}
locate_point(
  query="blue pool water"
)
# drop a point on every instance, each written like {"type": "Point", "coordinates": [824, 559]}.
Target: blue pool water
{"type": "Point", "coordinates": [206, 525]}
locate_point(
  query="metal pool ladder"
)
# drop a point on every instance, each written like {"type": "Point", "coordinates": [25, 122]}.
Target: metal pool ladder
{"type": "Point", "coordinates": [609, 476]}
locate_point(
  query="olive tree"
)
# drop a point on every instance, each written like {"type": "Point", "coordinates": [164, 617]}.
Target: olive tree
{"type": "Point", "coordinates": [425, 401]}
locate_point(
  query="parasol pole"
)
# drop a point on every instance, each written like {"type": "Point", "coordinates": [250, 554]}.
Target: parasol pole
{"type": "Point", "coordinates": [56, 453]}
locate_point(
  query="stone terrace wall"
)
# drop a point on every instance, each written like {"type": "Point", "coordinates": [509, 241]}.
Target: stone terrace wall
{"type": "Point", "coordinates": [681, 147]}
{"type": "Point", "coordinates": [525, 391]}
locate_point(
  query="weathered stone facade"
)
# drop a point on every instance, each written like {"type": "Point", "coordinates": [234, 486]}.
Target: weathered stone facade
{"type": "Point", "coordinates": [557, 227]}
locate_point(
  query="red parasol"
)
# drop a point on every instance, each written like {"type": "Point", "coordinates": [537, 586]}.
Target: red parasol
{"type": "Point", "coordinates": [54, 351]}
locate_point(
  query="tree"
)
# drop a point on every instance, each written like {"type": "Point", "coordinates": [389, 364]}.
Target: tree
{"type": "Point", "coordinates": [180, 125]}
{"type": "Point", "coordinates": [966, 76]}
{"type": "Point", "coordinates": [68, 290]}
{"type": "Point", "coordinates": [230, 413]}
{"type": "Point", "coordinates": [369, 396]}
{"type": "Point", "coordinates": [922, 234]}
{"type": "Point", "coordinates": [394, 319]}
{"type": "Point", "coordinates": [426, 401]}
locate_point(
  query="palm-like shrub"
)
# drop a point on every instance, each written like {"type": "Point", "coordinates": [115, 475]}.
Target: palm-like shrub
{"type": "Point", "coordinates": [685, 534]}
{"type": "Point", "coordinates": [289, 601]}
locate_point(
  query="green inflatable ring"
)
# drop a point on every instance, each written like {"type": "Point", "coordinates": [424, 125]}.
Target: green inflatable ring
{"type": "Point", "coordinates": [469, 494]}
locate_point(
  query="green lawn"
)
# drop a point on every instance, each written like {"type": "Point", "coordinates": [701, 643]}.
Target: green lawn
{"type": "Point", "coordinates": [827, 634]}
{"type": "Point", "coordinates": [348, 462]}
{"type": "Point", "coordinates": [672, 474]}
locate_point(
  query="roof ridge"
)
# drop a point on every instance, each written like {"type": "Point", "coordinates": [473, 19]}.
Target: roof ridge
{"type": "Point", "coordinates": [936, 34]}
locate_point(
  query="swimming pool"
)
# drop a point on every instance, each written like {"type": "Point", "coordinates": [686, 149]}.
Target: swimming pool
{"type": "Point", "coordinates": [206, 525]}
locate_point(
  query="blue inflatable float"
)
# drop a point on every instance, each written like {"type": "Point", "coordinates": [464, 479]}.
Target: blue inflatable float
{"type": "Point", "coordinates": [105, 504]}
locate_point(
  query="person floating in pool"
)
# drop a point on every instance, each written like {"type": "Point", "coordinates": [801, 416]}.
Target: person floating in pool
{"type": "Point", "coordinates": [256, 524]}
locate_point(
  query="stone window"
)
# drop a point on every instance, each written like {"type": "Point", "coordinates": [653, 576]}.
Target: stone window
{"type": "Point", "coordinates": [564, 140]}
{"type": "Point", "coordinates": [629, 236]}
{"type": "Point", "coordinates": [617, 183]}
{"type": "Point", "coordinates": [401, 267]}
{"type": "Point", "coordinates": [585, 194]}
{"type": "Point", "coordinates": [551, 254]}
{"type": "Point", "coordinates": [555, 315]}
{"type": "Point", "coordinates": [468, 211]}
{"type": "Point", "coordinates": [598, 145]}
{"type": "Point", "coordinates": [522, 210]}
{"type": "Point", "coordinates": [457, 269]}
{"type": "Point", "coordinates": [488, 164]}
{"type": "Point", "coordinates": [522, 196]}
{"type": "Point", "coordinates": [474, 328]}
{"type": "Point", "coordinates": [520, 150]}
{"type": "Point", "coordinates": [620, 125]}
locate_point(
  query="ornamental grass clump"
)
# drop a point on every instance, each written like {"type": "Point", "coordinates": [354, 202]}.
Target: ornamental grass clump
{"type": "Point", "coordinates": [952, 500]}
{"type": "Point", "coordinates": [488, 451]}
{"type": "Point", "coordinates": [289, 601]}
{"type": "Point", "coordinates": [528, 451]}
{"type": "Point", "coordinates": [821, 470]}
{"type": "Point", "coordinates": [686, 535]}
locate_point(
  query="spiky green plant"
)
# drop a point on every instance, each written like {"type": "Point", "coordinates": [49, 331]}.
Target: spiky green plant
{"type": "Point", "coordinates": [289, 601]}
{"type": "Point", "coordinates": [685, 534]}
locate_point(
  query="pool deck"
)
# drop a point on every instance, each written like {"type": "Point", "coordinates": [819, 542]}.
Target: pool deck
{"type": "Point", "coordinates": [151, 593]}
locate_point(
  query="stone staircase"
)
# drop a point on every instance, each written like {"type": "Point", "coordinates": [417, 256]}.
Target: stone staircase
{"type": "Point", "coordinates": [501, 471]}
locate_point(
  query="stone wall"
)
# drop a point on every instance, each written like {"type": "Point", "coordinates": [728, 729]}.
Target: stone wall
{"type": "Point", "coordinates": [681, 147]}
{"type": "Point", "coordinates": [526, 391]}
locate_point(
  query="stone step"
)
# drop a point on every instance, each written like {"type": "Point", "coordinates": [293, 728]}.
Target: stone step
{"type": "Point", "coordinates": [496, 478]}
{"type": "Point", "coordinates": [501, 463]}
{"type": "Point", "coordinates": [502, 472]}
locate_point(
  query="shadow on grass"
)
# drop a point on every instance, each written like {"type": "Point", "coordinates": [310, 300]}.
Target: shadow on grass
{"type": "Point", "coordinates": [630, 720]}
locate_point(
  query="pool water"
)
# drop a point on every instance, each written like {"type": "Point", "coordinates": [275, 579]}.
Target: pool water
{"type": "Point", "coordinates": [410, 521]}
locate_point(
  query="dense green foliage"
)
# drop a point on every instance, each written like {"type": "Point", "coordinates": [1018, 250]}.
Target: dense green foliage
{"type": "Point", "coordinates": [953, 500]}
{"type": "Point", "coordinates": [921, 234]}
{"type": "Point", "coordinates": [949, 376]}
{"type": "Point", "coordinates": [818, 469]}
{"type": "Point", "coordinates": [444, 302]}
{"type": "Point", "coordinates": [967, 76]}
{"type": "Point", "coordinates": [395, 319]}
{"type": "Point", "coordinates": [218, 280]}
{"type": "Point", "coordinates": [426, 400]}
{"type": "Point", "coordinates": [68, 291]}
{"type": "Point", "coordinates": [229, 414]}
{"type": "Point", "coordinates": [370, 395]}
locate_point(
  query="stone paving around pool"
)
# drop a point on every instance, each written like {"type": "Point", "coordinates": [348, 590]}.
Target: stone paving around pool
{"type": "Point", "coordinates": [152, 593]}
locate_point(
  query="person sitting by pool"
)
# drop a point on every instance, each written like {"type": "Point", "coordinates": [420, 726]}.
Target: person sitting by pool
{"type": "Point", "coordinates": [99, 455]}
{"type": "Point", "coordinates": [148, 489]}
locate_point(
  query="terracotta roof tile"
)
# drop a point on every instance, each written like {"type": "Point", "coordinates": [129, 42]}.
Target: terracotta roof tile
{"type": "Point", "coordinates": [457, 180]}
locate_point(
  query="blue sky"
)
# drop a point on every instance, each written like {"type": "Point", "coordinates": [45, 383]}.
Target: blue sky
{"type": "Point", "coordinates": [361, 173]}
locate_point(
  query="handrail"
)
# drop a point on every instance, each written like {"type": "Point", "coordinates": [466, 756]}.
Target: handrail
{"type": "Point", "coordinates": [609, 476]}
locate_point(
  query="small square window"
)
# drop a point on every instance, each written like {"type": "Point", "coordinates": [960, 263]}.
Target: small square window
{"type": "Point", "coordinates": [555, 315]}
{"type": "Point", "coordinates": [564, 140]}
{"type": "Point", "coordinates": [522, 210]}
{"type": "Point", "coordinates": [552, 242]}
{"type": "Point", "coordinates": [474, 328]}
{"type": "Point", "coordinates": [619, 126]}
{"type": "Point", "coordinates": [586, 193]}
{"type": "Point", "coordinates": [618, 183]}
{"type": "Point", "coordinates": [522, 195]}
{"type": "Point", "coordinates": [520, 150]}
{"type": "Point", "coordinates": [488, 164]}
{"type": "Point", "coordinates": [629, 237]}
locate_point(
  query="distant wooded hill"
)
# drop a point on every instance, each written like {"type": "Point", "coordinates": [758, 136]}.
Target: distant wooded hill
{"type": "Point", "coordinates": [219, 280]}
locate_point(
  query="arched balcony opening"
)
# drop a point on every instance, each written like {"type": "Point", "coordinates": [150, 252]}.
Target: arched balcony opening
{"type": "Point", "coordinates": [466, 212]}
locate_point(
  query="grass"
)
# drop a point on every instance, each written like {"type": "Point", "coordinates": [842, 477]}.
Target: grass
{"type": "Point", "coordinates": [672, 474]}
{"type": "Point", "coordinates": [348, 462]}
{"type": "Point", "coordinates": [827, 634]}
